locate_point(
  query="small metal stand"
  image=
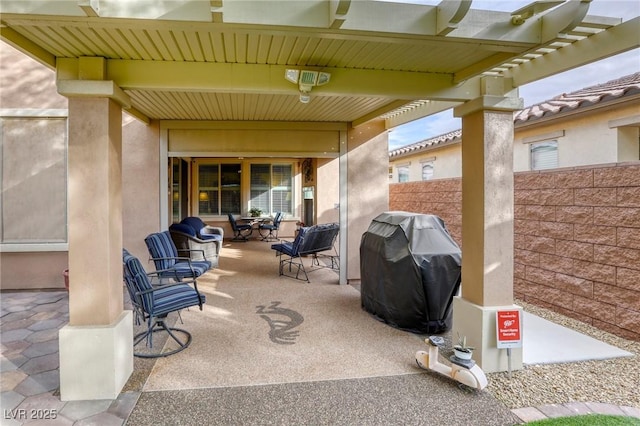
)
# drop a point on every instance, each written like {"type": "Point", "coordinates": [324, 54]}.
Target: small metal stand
{"type": "Point", "coordinates": [466, 372]}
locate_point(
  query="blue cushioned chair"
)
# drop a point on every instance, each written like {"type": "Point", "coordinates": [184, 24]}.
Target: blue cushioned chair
{"type": "Point", "coordinates": [152, 304]}
{"type": "Point", "coordinates": [202, 230]}
{"type": "Point", "coordinates": [189, 244]}
{"type": "Point", "coordinates": [165, 256]}
{"type": "Point", "coordinates": [314, 240]}
{"type": "Point", "coordinates": [269, 230]}
{"type": "Point", "coordinates": [241, 231]}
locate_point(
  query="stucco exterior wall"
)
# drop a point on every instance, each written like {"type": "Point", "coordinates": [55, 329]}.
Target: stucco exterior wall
{"type": "Point", "coordinates": [576, 238]}
{"type": "Point", "coordinates": [447, 163]}
{"type": "Point", "coordinates": [24, 83]}
{"type": "Point", "coordinates": [327, 197]}
{"type": "Point", "coordinates": [368, 185]}
{"type": "Point", "coordinates": [141, 180]}
{"type": "Point", "coordinates": [30, 100]}
{"type": "Point", "coordinates": [587, 138]}
{"type": "Point", "coordinates": [33, 146]}
{"type": "Point", "coordinates": [584, 138]}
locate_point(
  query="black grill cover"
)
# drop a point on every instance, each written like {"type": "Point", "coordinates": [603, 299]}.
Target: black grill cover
{"type": "Point", "coordinates": [410, 271]}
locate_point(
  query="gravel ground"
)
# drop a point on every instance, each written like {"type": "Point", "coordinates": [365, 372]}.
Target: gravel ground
{"type": "Point", "coordinates": [614, 381]}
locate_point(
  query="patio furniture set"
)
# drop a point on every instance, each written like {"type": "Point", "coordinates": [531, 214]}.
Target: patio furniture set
{"type": "Point", "coordinates": [188, 250]}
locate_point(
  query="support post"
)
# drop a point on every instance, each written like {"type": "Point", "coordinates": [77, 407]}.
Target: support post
{"type": "Point", "coordinates": [487, 224]}
{"type": "Point", "coordinates": [96, 347]}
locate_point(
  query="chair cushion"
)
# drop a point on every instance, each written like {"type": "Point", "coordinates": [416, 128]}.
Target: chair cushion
{"type": "Point", "coordinates": [182, 269]}
{"type": "Point", "coordinates": [285, 248]}
{"type": "Point", "coordinates": [213, 237]}
{"type": "Point", "coordinates": [195, 222]}
{"type": "Point", "coordinates": [160, 245]}
{"type": "Point", "coordinates": [184, 228]}
{"type": "Point", "coordinates": [175, 297]}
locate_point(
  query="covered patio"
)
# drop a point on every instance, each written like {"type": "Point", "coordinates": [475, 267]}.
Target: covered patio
{"type": "Point", "coordinates": [338, 364]}
{"type": "Point", "coordinates": [289, 80]}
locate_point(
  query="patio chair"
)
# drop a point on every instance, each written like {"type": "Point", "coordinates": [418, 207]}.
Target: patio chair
{"type": "Point", "coordinates": [269, 230]}
{"type": "Point", "coordinates": [164, 254]}
{"type": "Point", "coordinates": [312, 240]}
{"type": "Point", "coordinates": [202, 230]}
{"type": "Point", "coordinates": [241, 231]}
{"type": "Point", "coordinates": [189, 244]}
{"type": "Point", "coordinates": [152, 304]}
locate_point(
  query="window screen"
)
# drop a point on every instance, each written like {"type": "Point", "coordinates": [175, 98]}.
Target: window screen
{"type": "Point", "coordinates": [403, 174]}
{"type": "Point", "coordinates": [427, 171]}
{"type": "Point", "coordinates": [272, 188]}
{"type": "Point", "coordinates": [544, 155]}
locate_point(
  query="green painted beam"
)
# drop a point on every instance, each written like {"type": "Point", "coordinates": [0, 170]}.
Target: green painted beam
{"type": "Point", "coordinates": [615, 40]}
{"type": "Point", "coordinates": [260, 78]}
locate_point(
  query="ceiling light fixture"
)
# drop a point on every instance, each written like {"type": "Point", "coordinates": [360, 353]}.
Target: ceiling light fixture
{"type": "Point", "coordinates": [305, 80]}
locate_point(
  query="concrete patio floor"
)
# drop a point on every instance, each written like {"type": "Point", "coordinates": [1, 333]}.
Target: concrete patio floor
{"type": "Point", "coordinates": [30, 322]}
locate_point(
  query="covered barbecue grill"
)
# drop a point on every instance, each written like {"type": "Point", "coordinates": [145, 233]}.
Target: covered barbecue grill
{"type": "Point", "coordinates": [410, 271]}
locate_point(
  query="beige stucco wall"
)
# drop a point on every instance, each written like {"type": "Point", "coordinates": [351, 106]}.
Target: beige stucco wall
{"type": "Point", "coordinates": [327, 197]}
{"type": "Point", "coordinates": [141, 180]}
{"type": "Point", "coordinates": [588, 139]}
{"type": "Point", "coordinates": [24, 83]}
{"type": "Point", "coordinates": [28, 87]}
{"type": "Point", "coordinates": [368, 185]}
{"type": "Point", "coordinates": [28, 90]}
{"type": "Point", "coordinates": [447, 163]}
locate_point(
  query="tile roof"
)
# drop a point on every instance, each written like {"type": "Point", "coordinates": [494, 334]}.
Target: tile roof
{"type": "Point", "coordinates": [441, 140]}
{"type": "Point", "coordinates": [611, 90]}
{"type": "Point", "coordinates": [614, 89]}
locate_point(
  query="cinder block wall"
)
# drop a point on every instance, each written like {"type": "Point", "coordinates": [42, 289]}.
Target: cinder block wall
{"type": "Point", "coordinates": [577, 239]}
{"type": "Point", "coordinates": [442, 197]}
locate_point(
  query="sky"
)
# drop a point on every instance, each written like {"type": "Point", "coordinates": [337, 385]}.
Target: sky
{"type": "Point", "coordinates": [541, 90]}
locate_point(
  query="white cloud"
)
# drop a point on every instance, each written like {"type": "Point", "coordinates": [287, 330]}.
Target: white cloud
{"type": "Point", "coordinates": [545, 89]}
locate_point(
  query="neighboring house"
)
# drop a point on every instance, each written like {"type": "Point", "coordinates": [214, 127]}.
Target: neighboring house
{"type": "Point", "coordinates": [594, 125]}
{"type": "Point", "coordinates": [576, 201]}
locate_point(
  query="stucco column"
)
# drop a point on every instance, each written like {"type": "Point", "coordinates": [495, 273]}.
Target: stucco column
{"type": "Point", "coordinates": [96, 347]}
{"type": "Point", "coordinates": [487, 227]}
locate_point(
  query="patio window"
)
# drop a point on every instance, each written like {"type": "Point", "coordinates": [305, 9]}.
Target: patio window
{"type": "Point", "coordinates": [272, 188]}
{"type": "Point", "coordinates": [218, 189]}
{"type": "Point", "coordinates": [403, 174]}
{"type": "Point", "coordinates": [427, 170]}
{"type": "Point", "coordinates": [544, 155]}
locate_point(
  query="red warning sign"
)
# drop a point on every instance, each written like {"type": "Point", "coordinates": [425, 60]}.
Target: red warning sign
{"type": "Point", "coordinates": [508, 329]}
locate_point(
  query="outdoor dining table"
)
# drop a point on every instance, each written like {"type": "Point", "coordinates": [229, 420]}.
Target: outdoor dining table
{"type": "Point", "coordinates": [254, 221]}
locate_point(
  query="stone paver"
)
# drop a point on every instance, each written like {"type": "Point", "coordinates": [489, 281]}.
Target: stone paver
{"type": "Point", "coordinates": [631, 411]}
{"type": "Point", "coordinates": [600, 408]}
{"type": "Point", "coordinates": [77, 410]}
{"type": "Point", "coordinates": [529, 414]}
{"type": "Point", "coordinates": [555, 410]}
{"type": "Point", "coordinates": [41, 363]}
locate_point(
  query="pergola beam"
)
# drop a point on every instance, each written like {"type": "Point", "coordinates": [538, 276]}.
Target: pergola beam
{"type": "Point", "coordinates": [615, 40]}
{"type": "Point", "coordinates": [261, 78]}
{"type": "Point", "coordinates": [26, 46]}
{"type": "Point", "coordinates": [418, 112]}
